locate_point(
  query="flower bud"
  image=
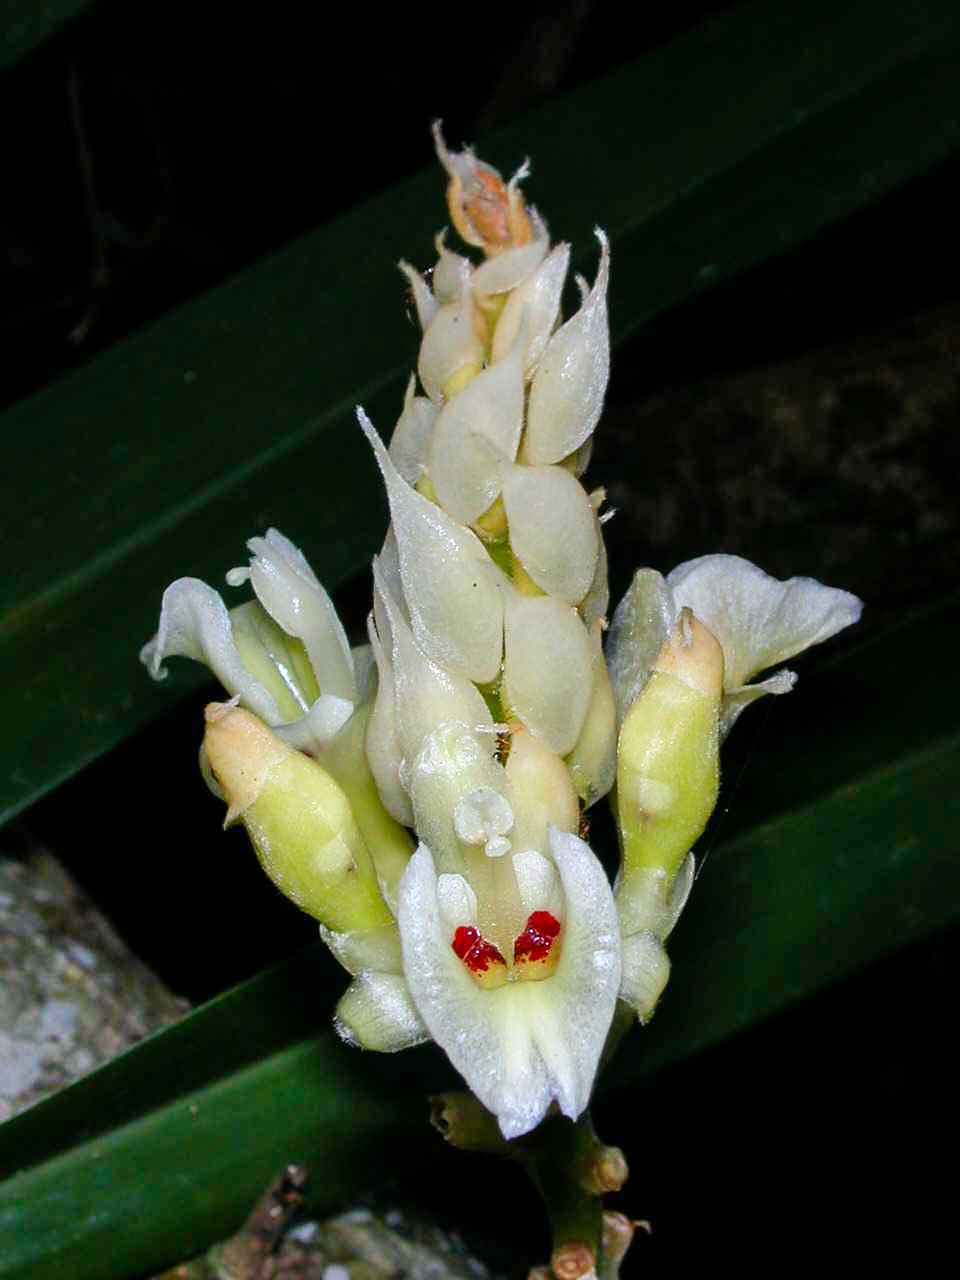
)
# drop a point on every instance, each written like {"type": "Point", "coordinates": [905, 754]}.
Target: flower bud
{"type": "Point", "coordinates": [487, 212]}
{"type": "Point", "coordinates": [298, 819]}
{"type": "Point", "coordinates": [667, 770]}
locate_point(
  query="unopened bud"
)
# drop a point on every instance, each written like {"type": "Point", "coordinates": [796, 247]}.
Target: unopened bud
{"type": "Point", "coordinates": [541, 791]}
{"type": "Point", "coordinates": [298, 818]}
{"type": "Point", "coordinates": [616, 1236]}
{"type": "Point", "coordinates": [573, 1261]}
{"type": "Point", "coordinates": [667, 767]}
{"type": "Point", "coordinates": [487, 212]}
{"type": "Point", "coordinates": [604, 1170]}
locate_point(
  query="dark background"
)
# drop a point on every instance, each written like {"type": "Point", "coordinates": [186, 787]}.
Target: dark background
{"type": "Point", "coordinates": [155, 150]}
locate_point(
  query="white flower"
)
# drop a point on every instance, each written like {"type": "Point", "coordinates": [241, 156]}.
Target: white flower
{"type": "Point", "coordinates": [758, 620]}
{"type": "Point", "coordinates": [285, 655]}
{"type": "Point", "coordinates": [520, 1045]}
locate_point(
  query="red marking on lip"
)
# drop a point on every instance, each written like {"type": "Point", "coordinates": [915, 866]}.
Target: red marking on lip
{"type": "Point", "coordinates": [538, 937]}
{"type": "Point", "coordinates": [474, 950]}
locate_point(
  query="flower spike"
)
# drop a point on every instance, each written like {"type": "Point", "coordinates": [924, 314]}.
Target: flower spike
{"type": "Point", "coordinates": [486, 714]}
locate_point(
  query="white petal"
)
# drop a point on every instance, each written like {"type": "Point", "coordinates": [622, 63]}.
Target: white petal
{"type": "Point", "coordinates": [523, 1045]}
{"type": "Point", "coordinates": [376, 1012]}
{"type": "Point", "coordinates": [476, 432]}
{"type": "Point", "coordinates": [289, 591]}
{"type": "Point", "coordinates": [427, 695]}
{"type": "Point", "coordinates": [641, 622]}
{"type": "Point", "coordinates": [547, 668]}
{"type": "Point", "coordinates": [365, 672]}
{"type": "Point", "coordinates": [583, 989]}
{"type": "Point", "coordinates": [449, 582]}
{"type": "Point", "coordinates": [492, 1051]}
{"type": "Point", "coordinates": [320, 725]}
{"type": "Point", "coordinates": [759, 620]}
{"type": "Point", "coordinates": [194, 623]}
{"type": "Point", "coordinates": [539, 884]}
{"type": "Point", "coordinates": [553, 529]}
{"type": "Point", "coordinates": [538, 300]}
{"type": "Point", "coordinates": [360, 949]}
{"type": "Point", "coordinates": [646, 969]}
{"type": "Point", "coordinates": [410, 442]}
{"type": "Point", "coordinates": [383, 740]}
{"type": "Point", "coordinates": [596, 602]}
{"type": "Point", "coordinates": [593, 760]}
{"type": "Point", "coordinates": [566, 396]}
{"type": "Point", "coordinates": [510, 268]}
{"type": "Point", "coordinates": [423, 299]}
{"type": "Point", "coordinates": [458, 902]}
{"type": "Point", "coordinates": [738, 699]}
{"type": "Point", "coordinates": [449, 343]}
{"type": "Point", "coordinates": [451, 274]}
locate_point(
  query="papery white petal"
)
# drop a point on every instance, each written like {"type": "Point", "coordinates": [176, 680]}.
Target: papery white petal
{"type": "Point", "coordinates": [449, 582]}
{"type": "Point", "coordinates": [646, 969]}
{"type": "Point", "coordinates": [593, 760]}
{"type": "Point", "coordinates": [641, 622]}
{"type": "Point", "coordinates": [377, 1012]}
{"type": "Point", "coordinates": [364, 672]}
{"type": "Point", "coordinates": [738, 699]}
{"type": "Point", "coordinates": [510, 268]}
{"type": "Point", "coordinates": [654, 900]}
{"type": "Point", "coordinates": [759, 620]}
{"type": "Point", "coordinates": [377, 949]}
{"type": "Point", "coordinates": [538, 882]}
{"type": "Point", "coordinates": [588, 970]}
{"type": "Point", "coordinates": [410, 442]}
{"type": "Point", "coordinates": [194, 623]}
{"type": "Point", "coordinates": [320, 725]}
{"type": "Point", "coordinates": [427, 694]}
{"type": "Point", "coordinates": [388, 562]}
{"type": "Point", "coordinates": [289, 591]}
{"type": "Point", "coordinates": [537, 300]}
{"type": "Point", "coordinates": [594, 605]}
{"type": "Point", "coordinates": [423, 298]}
{"type": "Point", "coordinates": [553, 529]}
{"type": "Point", "coordinates": [566, 395]}
{"type": "Point", "coordinates": [476, 432]}
{"type": "Point", "coordinates": [383, 738]}
{"type": "Point", "coordinates": [547, 669]}
{"type": "Point", "coordinates": [527, 1043]}
{"type": "Point", "coordinates": [449, 343]}
{"type": "Point", "coordinates": [451, 274]}
{"type": "Point", "coordinates": [458, 902]}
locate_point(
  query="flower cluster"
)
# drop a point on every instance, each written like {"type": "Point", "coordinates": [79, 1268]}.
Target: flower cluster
{"type": "Point", "coordinates": [484, 715]}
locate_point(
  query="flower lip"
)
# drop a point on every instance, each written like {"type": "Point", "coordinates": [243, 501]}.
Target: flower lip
{"type": "Point", "coordinates": [523, 1045]}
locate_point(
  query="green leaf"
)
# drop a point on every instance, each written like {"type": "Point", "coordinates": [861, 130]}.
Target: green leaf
{"type": "Point", "coordinates": [194, 1121]}
{"type": "Point", "coordinates": [234, 412]}
{"type": "Point", "coordinates": [26, 24]}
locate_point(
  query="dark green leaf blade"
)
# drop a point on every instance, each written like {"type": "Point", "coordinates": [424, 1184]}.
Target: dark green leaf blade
{"type": "Point", "coordinates": [26, 24]}
{"type": "Point", "coordinates": [234, 412]}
